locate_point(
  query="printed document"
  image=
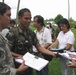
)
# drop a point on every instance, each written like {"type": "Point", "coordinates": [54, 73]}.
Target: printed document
{"type": "Point", "coordinates": [33, 61]}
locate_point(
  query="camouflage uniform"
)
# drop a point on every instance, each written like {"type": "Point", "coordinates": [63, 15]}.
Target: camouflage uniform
{"type": "Point", "coordinates": [6, 60]}
{"type": "Point", "coordinates": [21, 41]}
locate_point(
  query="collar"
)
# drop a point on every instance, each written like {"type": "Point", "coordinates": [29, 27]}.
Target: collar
{"type": "Point", "coordinates": [42, 30]}
{"type": "Point", "coordinates": [3, 36]}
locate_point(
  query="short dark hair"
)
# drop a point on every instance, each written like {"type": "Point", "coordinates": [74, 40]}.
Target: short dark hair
{"type": "Point", "coordinates": [22, 11]}
{"type": "Point", "coordinates": [13, 21]}
{"type": "Point", "coordinates": [64, 21]}
{"type": "Point", "coordinates": [3, 8]}
{"type": "Point", "coordinates": [40, 19]}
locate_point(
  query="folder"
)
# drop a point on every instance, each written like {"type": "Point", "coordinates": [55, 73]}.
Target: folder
{"type": "Point", "coordinates": [33, 61]}
{"type": "Point", "coordinates": [61, 50]}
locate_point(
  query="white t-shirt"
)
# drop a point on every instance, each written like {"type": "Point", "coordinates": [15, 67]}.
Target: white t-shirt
{"type": "Point", "coordinates": [64, 38]}
{"type": "Point", "coordinates": [44, 36]}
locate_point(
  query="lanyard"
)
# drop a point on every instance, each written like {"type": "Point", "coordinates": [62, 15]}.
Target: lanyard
{"type": "Point", "coordinates": [41, 33]}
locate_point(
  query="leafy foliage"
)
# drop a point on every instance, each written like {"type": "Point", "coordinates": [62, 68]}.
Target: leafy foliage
{"type": "Point", "coordinates": [57, 18]}
{"type": "Point", "coordinates": [72, 22]}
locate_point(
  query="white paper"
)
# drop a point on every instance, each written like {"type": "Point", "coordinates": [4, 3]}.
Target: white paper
{"type": "Point", "coordinates": [34, 49]}
{"type": "Point", "coordinates": [33, 61]}
{"type": "Point", "coordinates": [65, 55]}
{"type": "Point", "coordinates": [71, 53]}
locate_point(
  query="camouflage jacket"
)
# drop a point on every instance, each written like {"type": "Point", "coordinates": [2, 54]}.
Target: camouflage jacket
{"type": "Point", "coordinates": [6, 59]}
{"type": "Point", "coordinates": [21, 41]}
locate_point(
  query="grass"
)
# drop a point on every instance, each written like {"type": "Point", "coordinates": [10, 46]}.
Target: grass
{"type": "Point", "coordinates": [74, 31]}
{"type": "Point", "coordinates": [54, 67]}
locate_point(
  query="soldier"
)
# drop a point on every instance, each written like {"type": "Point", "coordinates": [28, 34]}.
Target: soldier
{"type": "Point", "coordinates": [22, 38]}
{"type": "Point", "coordinates": [6, 59]}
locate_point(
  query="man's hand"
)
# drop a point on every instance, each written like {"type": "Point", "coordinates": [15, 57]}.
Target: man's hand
{"type": "Point", "coordinates": [22, 67]}
{"type": "Point", "coordinates": [72, 64]}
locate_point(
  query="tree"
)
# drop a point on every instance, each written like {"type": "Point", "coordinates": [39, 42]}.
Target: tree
{"type": "Point", "coordinates": [57, 18]}
{"type": "Point", "coordinates": [72, 22]}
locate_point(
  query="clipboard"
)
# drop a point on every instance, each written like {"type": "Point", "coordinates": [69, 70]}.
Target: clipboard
{"type": "Point", "coordinates": [58, 50]}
